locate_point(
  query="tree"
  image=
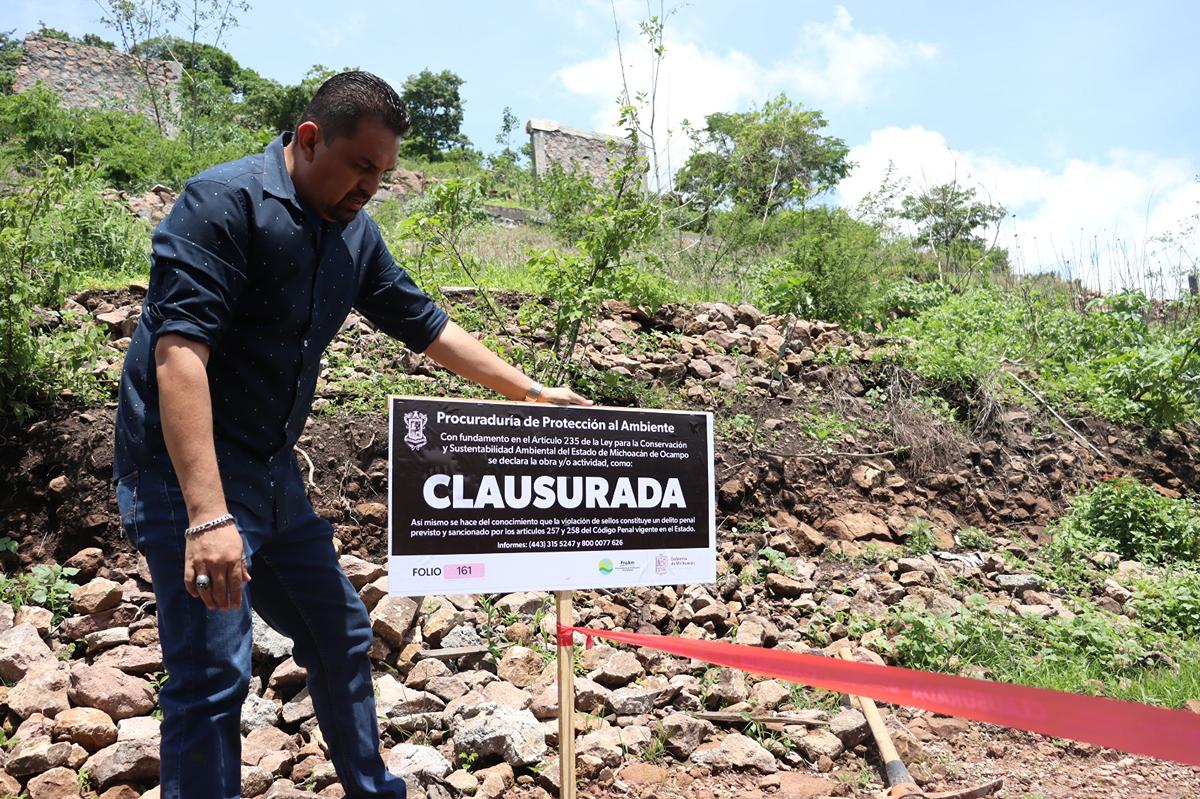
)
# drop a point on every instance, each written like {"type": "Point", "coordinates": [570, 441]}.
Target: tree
{"type": "Point", "coordinates": [508, 123]}
{"type": "Point", "coordinates": [505, 177]}
{"type": "Point", "coordinates": [10, 59]}
{"type": "Point", "coordinates": [761, 161]}
{"type": "Point", "coordinates": [435, 110]}
{"type": "Point", "coordinates": [198, 58]}
{"type": "Point", "coordinates": [143, 27]}
{"type": "Point", "coordinates": [948, 220]}
{"type": "Point", "coordinates": [136, 21]}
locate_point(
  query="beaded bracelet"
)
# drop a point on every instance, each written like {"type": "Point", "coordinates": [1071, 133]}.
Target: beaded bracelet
{"type": "Point", "coordinates": [211, 525]}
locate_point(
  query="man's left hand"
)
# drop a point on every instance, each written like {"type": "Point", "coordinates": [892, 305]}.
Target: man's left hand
{"type": "Point", "coordinates": [561, 395]}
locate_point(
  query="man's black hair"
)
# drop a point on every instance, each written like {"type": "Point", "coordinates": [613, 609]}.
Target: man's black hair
{"type": "Point", "coordinates": [348, 97]}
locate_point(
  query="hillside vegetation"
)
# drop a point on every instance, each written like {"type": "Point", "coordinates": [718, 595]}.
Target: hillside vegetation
{"type": "Point", "coordinates": [951, 466]}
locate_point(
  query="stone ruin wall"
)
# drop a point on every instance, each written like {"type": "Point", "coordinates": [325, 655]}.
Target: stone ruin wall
{"type": "Point", "coordinates": [93, 77]}
{"type": "Point", "coordinates": [573, 148]}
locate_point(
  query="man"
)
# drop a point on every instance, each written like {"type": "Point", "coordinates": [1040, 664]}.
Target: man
{"type": "Point", "coordinates": [252, 275]}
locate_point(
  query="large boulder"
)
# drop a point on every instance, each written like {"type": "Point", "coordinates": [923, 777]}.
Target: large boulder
{"type": "Point", "coordinates": [392, 618]}
{"type": "Point", "coordinates": [118, 694]}
{"type": "Point", "coordinates": [491, 731]}
{"type": "Point", "coordinates": [422, 764]}
{"type": "Point", "coordinates": [8, 617]}
{"type": "Point", "coordinates": [523, 603]}
{"type": "Point", "coordinates": [735, 752]}
{"type": "Point", "coordinates": [610, 745]}
{"type": "Point", "coordinates": [77, 627]}
{"type": "Point", "coordinates": [43, 690]}
{"type": "Point", "coordinates": [134, 760]}
{"type": "Point", "coordinates": [270, 746]}
{"type": "Point", "coordinates": [132, 659]}
{"type": "Point", "coordinates": [34, 755]}
{"type": "Point", "coordinates": [139, 727]}
{"type": "Point", "coordinates": [858, 527]}
{"type": "Point", "coordinates": [57, 783]}
{"type": "Point", "coordinates": [22, 648]}
{"type": "Point", "coordinates": [360, 572]}
{"type": "Point", "coordinates": [634, 700]}
{"type": "Point", "coordinates": [269, 644]}
{"type": "Point", "coordinates": [96, 595]}
{"type": "Point", "coordinates": [258, 711]}
{"type": "Point", "coordinates": [621, 668]}
{"type": "Point", "coordinates": [90, 728]}
{"type": "Point", "coordinates": [521, 666]}
{"type": "Point", "coordinates": [683, 734]}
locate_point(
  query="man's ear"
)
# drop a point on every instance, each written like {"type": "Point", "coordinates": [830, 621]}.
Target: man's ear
{"type": "Point", "coordinates": [307, 136]}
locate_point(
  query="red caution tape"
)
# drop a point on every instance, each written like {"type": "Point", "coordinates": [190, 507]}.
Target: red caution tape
{"type": "Point", "coordinates": [1127, 726]}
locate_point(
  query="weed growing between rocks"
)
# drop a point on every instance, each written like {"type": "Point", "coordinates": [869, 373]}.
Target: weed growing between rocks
{"type": "Point", "coordinates": [46, 585]}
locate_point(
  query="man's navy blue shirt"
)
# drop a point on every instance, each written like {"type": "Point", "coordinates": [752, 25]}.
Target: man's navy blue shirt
{"type": "Point", "coordinates": [242, 266]}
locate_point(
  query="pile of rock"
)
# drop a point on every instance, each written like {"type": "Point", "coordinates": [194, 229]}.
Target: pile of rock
{"type": "Point", "coordinates": [81, 706]}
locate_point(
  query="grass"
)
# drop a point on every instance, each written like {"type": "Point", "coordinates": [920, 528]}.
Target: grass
{"type": "Point", "coordinates": [504, 202]}
{"type": "Point", "coordinates": [1094, 653]}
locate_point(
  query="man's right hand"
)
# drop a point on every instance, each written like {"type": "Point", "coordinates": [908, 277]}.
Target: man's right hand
{"type": "Point", "coordinates": [219, 554]}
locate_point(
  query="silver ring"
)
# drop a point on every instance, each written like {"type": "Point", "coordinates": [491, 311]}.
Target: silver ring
{"type": "Point", "coordinates": [203, 582]}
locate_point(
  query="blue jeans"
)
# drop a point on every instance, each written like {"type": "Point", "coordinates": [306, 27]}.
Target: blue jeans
{"type": "Point", "coordinates": [299, 589]}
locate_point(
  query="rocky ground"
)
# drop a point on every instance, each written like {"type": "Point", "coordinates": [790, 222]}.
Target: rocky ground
{"type": "Point", "coordinates": [825, 455]}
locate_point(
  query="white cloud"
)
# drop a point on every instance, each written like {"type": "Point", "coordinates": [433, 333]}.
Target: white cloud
{"type": "Point", "coordinates": [832, 64]}
{"type": "Point", "coordinates": [1095, 220]}
{"type": "Point", "coordinates": [836, 63]}
{"type": "Point", "coordinates": [335, 37]}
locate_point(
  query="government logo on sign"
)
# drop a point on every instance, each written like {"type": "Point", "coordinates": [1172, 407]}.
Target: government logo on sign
{"type": "Point", "coordinates": [606, 566]}
{"type": "Point", "coordinates": [415, 421]}
{"type": "Point", "coordinates": [660, 564]}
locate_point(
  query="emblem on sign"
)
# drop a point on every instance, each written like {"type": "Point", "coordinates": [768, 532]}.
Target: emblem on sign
{"type": "Point", "coordinates": [660, 564]}
{"type": "Point", "coordinates": [415, 421]}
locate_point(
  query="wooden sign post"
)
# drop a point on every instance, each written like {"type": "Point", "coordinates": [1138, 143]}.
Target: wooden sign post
{"type": "Point", "coordinates": [566, 699]}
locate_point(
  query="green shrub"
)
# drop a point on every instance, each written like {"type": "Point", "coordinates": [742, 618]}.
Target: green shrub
{"type": "Point", "coordinates": [939, 642]}
{"type": "Point", "coordinates": [567, 198]}
{"type": "Point", "coordinates": [962, 339]}
{"type": "Point", "coordinates": [436, 223]}
{"type": "Point", "coordinates": [1110, 358]}
{"type": "Point", "coordinates": [612, 227]}
{"type": "Point", "coordinates": [1170, 602]}
{"type": "Point", "coordinates": [1123, 516]}
{"type": "Point", "coordinates": [57, 235]}
{"type": "Point", "coordinates": [908, 297]}
{"type": "Point", "coordinates": [126, 151]}
{"type": "Point", "coordinates": [834, 268]}
{"type": "Point", "coordinates": [606, 387]}
{"type": "Point", "coordinates": [565, 278]}
{"type": "Point", "coordinates": [1066, 654]}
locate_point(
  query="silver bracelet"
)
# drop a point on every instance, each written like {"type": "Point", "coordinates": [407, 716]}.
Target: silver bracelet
{"type": "Point", "coordinates": [220, 521]}
{"type": "Point", "coordinates": [534, 392]}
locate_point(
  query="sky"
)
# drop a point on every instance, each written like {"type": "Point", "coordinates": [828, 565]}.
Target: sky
{"type": "Point", "coordinates": [1080, 118]}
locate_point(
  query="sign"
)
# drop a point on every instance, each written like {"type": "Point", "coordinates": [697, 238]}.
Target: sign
{"type": "Point", "coordinates": [494, 497]}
